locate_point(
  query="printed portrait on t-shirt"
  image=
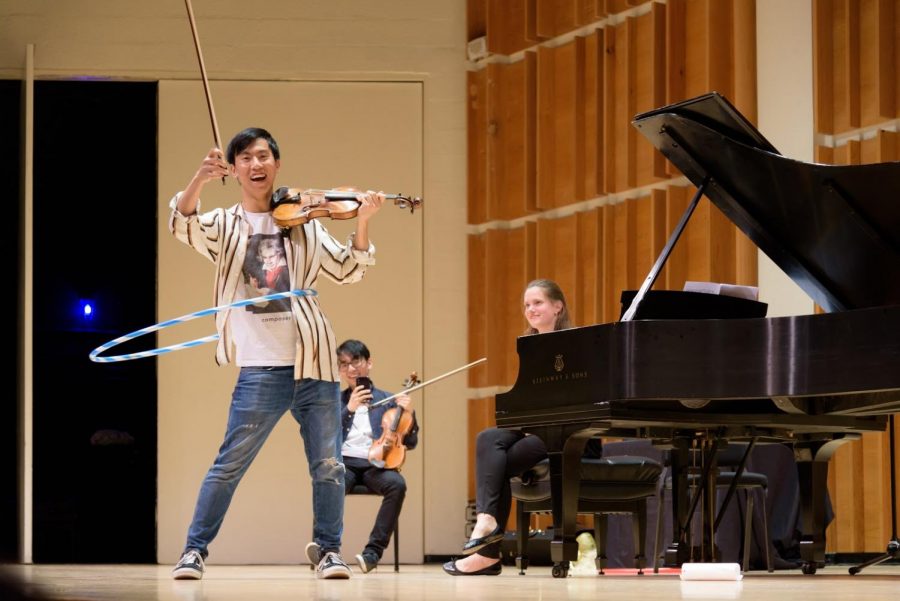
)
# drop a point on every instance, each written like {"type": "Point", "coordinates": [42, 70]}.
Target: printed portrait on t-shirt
{"type": "Point", "coordinates": [266, 271]}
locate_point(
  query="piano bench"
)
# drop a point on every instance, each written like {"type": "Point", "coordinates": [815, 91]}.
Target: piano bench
{"type": "Point", "coordinates": [610, 485]}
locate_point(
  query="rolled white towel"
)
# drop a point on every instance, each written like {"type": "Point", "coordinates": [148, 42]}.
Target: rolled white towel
{"type": "Point", "coordinates": [711, 571]}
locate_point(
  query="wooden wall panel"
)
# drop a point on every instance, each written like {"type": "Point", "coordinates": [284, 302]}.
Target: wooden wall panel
{"type": "Point", "coordinates": [719, 51]}
{"type": "Point", "coordinates": [622, 107]}
{"type": "Point", "coordinates": [498, 256]}
{"type": "Point", "coordinates": [511, 138]}
{"type": "Point", "coordinates": [676, 49]}
{"type": "Point", "coordinates": [476, 19]}
{"type": "Point", "coordinates": [506, 26]}
{"type": "Point", "coordinates": [674, 274]}
{"type": "Point", "coordinates": [698, 243]}
{"type": "Point", "coordinates": [477, 295]}
{"type": "Point", "coordinates": [877, 65]}
{"type": "Point", "coordinates": [650, 214]}
{"type": "Point", "coordinates": [846, 65]}
{"type": "Point", "coordinates": [609, 298]}
{"type": "Point", "coordinates": [589, 264]}
{"type": "Point", "coordinates": [520, 264]}
{"type": "Point", "coordinates": [847, 466]}
{"type": "Point", "coordinates": [557, 255]}
{"type": "Point", "coordinates": [823, 66]}
{"type": "Point", "coordinates": [560, 127]}
{"type": "Point", "coordinates": [592, 152]}
{"type": "Point", "coordinates": [609, 117]}
{"type": "Point", "coordinates": [696, 48]}
{"type": "Point", "coordinates": [556, 17]}
{"type": "Point", "coordinates": [884, 147]}
{"type": "Point", "coordinates": [620, 250]}
{"type": "Point", "coordinates": [480, 416]}
{"type": "Point", "coordinates": [746, 259]}
{"type": "Point", "coordinates": [721, 236]}
{"type": "Point", "coordinates": [744, 88]}
{"type": "Point", "coordinates": [650, 91]}
{"type": "Point", "coordinates": [477, 143]}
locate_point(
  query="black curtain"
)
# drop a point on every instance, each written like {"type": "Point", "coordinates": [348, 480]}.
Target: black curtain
{"type": "Point", "coordinates": [94, 244]}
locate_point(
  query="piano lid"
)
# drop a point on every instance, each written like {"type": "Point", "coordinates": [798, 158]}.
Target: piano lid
{"type": "Point", "coordinates": [834, 229]}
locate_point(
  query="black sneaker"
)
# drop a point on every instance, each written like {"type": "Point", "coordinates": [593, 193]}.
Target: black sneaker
{"type": "Point", "coordinates": [189, 567]}
{"type": "Point", "coordinates": [313, 554]}
{"type": "Point", "coordinates": [332, 566]}
{"type": "Point", "coordinates": [367, 562]}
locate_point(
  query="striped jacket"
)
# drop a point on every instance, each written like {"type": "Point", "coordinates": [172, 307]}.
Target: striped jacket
{"type": "Point", "coordinates": [221, 236]}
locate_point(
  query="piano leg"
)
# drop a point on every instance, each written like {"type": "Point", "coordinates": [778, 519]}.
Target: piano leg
{"type": "Point", "coordinates": [678, 551]}
{"type": "Point", "coordinates": [565, 483]}
{"type": "Point", "coordinates": [812, 470]}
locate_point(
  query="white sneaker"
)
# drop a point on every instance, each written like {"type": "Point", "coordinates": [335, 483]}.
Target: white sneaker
{"type": "Point", "coordinates": [332, 566]}
{"type": "Point", "coordinates": [189, 567]}
{"type": "Point", "coordinates": [313, 554]}
{"type": "Point", "coordinates": [366, 562]}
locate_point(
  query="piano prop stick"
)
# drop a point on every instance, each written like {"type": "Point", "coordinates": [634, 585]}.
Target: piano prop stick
{"type": "Point", "coordinates": [711, 571]}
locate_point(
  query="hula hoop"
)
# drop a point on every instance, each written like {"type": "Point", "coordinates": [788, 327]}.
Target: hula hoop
{"type": "Point", "coordinates": [94, 356]}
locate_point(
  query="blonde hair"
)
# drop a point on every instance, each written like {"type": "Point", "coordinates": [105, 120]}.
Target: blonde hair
{"type": "Point", "coordinates": [553, 292]}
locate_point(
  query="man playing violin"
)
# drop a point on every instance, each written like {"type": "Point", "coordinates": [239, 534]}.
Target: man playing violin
{"type": "Point", "coordinates": [282, 348]}
{"type": "Point", "coordinates": [360, 428]}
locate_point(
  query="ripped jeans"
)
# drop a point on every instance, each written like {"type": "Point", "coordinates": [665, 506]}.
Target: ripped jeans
{"type": "Point", "coordinates": [261, 396]}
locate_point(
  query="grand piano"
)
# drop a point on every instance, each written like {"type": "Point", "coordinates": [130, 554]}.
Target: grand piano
{"type": "Point", "coordinates": [811, 381]}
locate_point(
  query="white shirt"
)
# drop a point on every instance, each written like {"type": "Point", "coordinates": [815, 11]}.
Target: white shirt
{"type": "Point", "coordinates": [359, 438]}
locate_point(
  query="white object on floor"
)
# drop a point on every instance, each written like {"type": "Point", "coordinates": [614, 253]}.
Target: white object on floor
{"type": "Point", "coordinates": [711, 571]}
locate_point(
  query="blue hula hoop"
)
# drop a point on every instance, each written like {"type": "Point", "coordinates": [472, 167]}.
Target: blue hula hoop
{"type": "Point", "coordinates": [94, 356]}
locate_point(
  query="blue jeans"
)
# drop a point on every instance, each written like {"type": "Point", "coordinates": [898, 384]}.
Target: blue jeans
{"type": "Point", "coordinates": [261, 396]}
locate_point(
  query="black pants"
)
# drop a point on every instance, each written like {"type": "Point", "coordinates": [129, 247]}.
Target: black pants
{"type": "Point", "coordinates": [387, 483]}
{"type": "Point", "coordinates": [499, 455]}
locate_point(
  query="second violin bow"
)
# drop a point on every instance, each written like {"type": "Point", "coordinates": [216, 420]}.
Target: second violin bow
{"type": "Point", "coordinates": [431, 381]}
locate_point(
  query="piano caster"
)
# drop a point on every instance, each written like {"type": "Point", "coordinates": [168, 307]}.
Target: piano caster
{"type": "Point", "coordinates": [809, 567]}
{"type": "Point", "coordinates": [560, 570]}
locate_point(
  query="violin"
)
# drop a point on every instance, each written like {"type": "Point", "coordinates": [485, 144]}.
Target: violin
{"type": "Point", "coordinates": [292, 209]}
{"type": "Point", "coordinates": [389, 452]}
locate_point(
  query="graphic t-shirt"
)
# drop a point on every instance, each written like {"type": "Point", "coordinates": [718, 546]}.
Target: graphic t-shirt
{"type": "Point", "coordinates": [264, 334]}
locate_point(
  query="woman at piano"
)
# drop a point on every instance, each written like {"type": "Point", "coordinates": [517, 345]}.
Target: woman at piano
{"type": "Point", "coordinates": [501, 454]}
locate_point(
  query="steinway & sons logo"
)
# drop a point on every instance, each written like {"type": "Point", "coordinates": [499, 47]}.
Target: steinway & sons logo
{"type": "Point", "coordinates": [559, 365]}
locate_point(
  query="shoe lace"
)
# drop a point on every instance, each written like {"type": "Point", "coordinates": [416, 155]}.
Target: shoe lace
{"type": "Point", "coordinates": [192, 556]}
{"type": "Point", "coordinates": [332, 559]}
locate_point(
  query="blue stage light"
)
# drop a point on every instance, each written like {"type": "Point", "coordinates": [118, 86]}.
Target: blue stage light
{"type": "Point", "coordinates": [86, 310]}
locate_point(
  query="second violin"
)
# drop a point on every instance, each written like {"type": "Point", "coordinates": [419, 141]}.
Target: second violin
{"type": "Point", "coordinates": [296, 207]}
{"type": "Point", "coordinates": [389, 452]}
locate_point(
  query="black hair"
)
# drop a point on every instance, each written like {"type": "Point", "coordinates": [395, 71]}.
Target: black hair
{"type": "Point", "coordinates": [354, 349]}
{"type": "Point", "coordinates": [245, 138]}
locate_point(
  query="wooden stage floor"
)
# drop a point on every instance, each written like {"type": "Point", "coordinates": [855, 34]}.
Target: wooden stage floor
{"type": "Point", "coordinates": [295, 583]}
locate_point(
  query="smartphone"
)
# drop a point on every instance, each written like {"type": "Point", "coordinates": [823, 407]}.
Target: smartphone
{"type": "Point", "coordinates": [364, 381]}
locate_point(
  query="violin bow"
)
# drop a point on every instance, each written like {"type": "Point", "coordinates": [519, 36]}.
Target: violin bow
{"type": "Point", "coordinates": [427, 382]}
{"type": "Point", "coordinates": [209, 102]}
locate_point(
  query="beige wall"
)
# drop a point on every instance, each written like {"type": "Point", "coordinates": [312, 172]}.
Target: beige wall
{"type": "Point", "coordinates": [784, 73]}
{"type": "Point", "coordinates": [337, 136]}
{"type": "Point", "coordinates": [416, 41]}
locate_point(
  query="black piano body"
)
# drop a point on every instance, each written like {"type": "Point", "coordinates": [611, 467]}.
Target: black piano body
{"type": "Point", "coordinates": [813, 381]}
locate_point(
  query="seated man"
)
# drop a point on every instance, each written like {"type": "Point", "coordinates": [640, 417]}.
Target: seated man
{"type": "Point", "coordinates": [361, 428]}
